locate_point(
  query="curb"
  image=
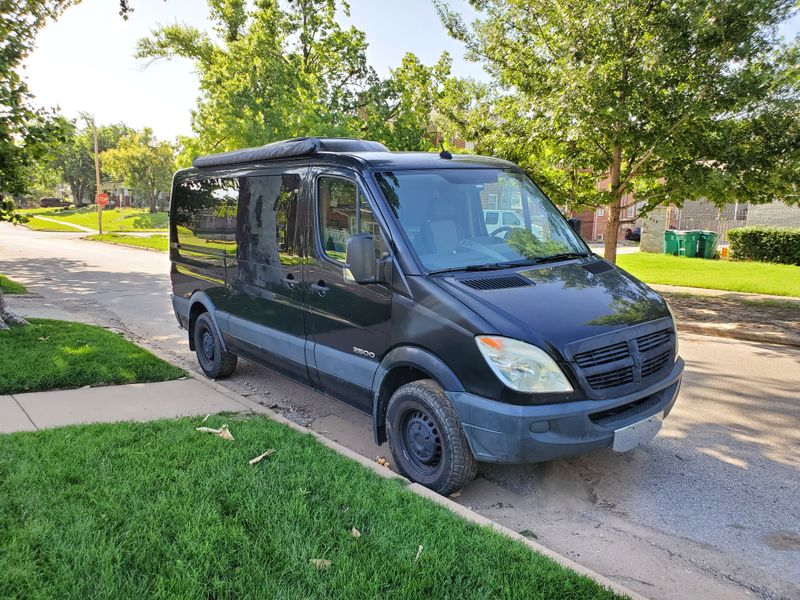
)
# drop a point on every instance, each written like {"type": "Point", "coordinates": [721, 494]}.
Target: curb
{"type": "Point", "coordinates": [416, 488]}
{"type": "Point", "coordinates": [733, 332]}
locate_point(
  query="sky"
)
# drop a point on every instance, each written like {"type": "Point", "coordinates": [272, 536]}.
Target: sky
{"type": "Point", "coordinates": [84, 61]}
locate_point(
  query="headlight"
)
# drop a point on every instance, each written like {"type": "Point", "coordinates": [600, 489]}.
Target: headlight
{"type": "Point", "coordinates": [675, 327]}
{"type": "Point", "coordinates": [522, 367]}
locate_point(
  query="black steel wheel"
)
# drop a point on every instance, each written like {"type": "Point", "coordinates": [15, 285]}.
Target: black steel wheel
{"type": "Point", "coordinates": [214, 360]}
{"type": "Point", "coordinates": [426, 438]}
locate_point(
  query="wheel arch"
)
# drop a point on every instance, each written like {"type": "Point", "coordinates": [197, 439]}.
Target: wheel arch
{"type": "Point", "coordinates": [200, 303]}
{"type": "Point", "coordinates": [400, 366]}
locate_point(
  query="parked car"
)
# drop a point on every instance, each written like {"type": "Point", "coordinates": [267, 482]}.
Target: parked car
{"type": "Point", "coordinates": [373, 277]}
{"type": "Point", "coordinates": [53, 203]}
{"type": "Point", "coordinates": [633, 234]}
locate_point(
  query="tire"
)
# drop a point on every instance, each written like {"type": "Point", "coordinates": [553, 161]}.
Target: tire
{"type": "Point", "coordinates": [214, 360]}
{"type": "Point", "coordinates": [426, 438]}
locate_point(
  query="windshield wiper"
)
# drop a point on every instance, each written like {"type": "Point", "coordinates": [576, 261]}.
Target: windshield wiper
{"type": "Point", "coordinates": [561, 256]}
{"type": "Point", "coordinates": [485, 267]}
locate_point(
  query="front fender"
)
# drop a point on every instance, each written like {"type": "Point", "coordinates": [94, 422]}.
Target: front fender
{"type": "Point", "coordinates": [407, 356]}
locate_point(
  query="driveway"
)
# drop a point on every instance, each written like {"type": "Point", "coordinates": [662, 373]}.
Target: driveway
{"type": "Point", "coordinates": [707, 510]}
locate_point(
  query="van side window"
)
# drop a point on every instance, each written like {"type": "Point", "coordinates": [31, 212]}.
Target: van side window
{"type": "Point", "coordinates": [268, 233]}
{"type": "Point", "coordinates": [344, 212]}
{"type": "Point", "coordinates": [205, 219]}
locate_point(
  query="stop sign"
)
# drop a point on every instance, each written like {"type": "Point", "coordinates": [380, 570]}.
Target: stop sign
{"type": "Point", "coordinates": [101, 199]}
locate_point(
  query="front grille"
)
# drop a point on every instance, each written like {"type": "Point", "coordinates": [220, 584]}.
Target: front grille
{"type": "Point", "coordinates": [654, 363]}
{"type": "Point", "coordinates": [601, 356]}
{"type": "Point", "coordinates": [610, 379]}
{"type": "Point", "coordinates": [625, 359]}
{"type": "Point", "coordinates": [497, 283]}
{"type": "Point", "coordinates": [653, 340]}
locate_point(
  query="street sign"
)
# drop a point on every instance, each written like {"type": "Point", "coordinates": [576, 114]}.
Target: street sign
{"type": "Point", "coordinates": [101, 199]}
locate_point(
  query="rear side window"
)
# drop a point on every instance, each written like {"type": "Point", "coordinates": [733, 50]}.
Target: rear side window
{"type": "Point", "coordinates": [491, 218]}
{"type": "Point", "coordinates": [205, 219]}
{"type": "Point", "coordinates": [268, 222]}
{"type": "Point", "coordinates": [344, 212]}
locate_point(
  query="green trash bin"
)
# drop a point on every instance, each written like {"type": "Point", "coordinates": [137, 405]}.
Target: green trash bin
{"type": "Point", "coordinates": [707, 245]}
{"type": "Point", "coordinates": [671, 243]}
{"type": "Point", "coordinates": [691, 241]}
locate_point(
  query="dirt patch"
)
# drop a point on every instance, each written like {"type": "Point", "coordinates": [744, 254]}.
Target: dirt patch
{"type": "Point", "coordinates": [755, 315]}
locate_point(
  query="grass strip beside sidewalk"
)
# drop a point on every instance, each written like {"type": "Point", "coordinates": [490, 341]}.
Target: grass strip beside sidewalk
{"type": "Point", "coordinates": [152, 242]}
{"type": "Point", "coordinates": [59, 355]}
{"type": "Point", "coordinates": [9, 286]}
{"type": "Point", "coordinates": [751, 277]}
{"type": "Point", "coordinates": [158, 510]}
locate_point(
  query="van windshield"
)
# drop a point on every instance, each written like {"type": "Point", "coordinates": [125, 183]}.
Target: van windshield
{"type": "Point", "coordinates": [460, 219]}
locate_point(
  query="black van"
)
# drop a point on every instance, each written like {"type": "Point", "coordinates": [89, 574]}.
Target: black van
{"type": "Point", "coordinates": [372, 276]}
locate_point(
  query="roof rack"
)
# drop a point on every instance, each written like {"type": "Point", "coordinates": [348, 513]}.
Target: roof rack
{"type": "Point", "coordinates": [304, 146]}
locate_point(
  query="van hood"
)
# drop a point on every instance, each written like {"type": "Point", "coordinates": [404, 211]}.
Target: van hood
{"type": "Point", "coordinates": [555, 304]}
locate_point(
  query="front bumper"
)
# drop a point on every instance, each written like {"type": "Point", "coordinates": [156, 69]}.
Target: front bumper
{"type": "Point", "coordinates": [508, 433]}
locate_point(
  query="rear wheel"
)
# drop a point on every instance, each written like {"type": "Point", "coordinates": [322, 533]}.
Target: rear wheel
{"type": "Point", "coordinates": [426, 438]}
{"type": "Point", "coordinates": [214, 360]}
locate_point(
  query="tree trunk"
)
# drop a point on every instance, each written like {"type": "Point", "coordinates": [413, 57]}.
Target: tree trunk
{"type": "Point", "coordinates": [7, 318]}
{"type": "Point", "coordinates": [152, 202]}
{"type": "Point", "coordinates": [613, 208]}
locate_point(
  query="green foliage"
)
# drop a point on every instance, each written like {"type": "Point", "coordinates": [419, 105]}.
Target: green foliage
{"type": "Point", "coordinates": [670, 100]}
{"type": "Point", "coordinates": [766, 244]}
{"type": "Point", "coordinates": [158, 510]}
{"type": "Point", "coordinates": [58, 355]}
{"type": "Point", "coordinates": [26, 133]}
{"type": "Point", "coordinates": [271, 71]}
{"type": "Point", "coordinates": [74, 161]}
{"type": "Point", "coordinates": [142, 163]}
{"type": "Point", "coordinates": [530, 246]}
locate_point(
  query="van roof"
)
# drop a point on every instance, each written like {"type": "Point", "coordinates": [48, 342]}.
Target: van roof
{"type": "Point", "coordinates": [374, 154]}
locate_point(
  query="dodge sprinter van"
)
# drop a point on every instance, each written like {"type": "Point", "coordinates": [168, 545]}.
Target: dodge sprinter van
{"type": "Point", "coordinates": [375, 278]}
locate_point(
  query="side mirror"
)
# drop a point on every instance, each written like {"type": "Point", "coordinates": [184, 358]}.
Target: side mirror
{"type": "Point", "coordinates": [575, 224]}
{"type": "Point", "coordinates": [361, 258]}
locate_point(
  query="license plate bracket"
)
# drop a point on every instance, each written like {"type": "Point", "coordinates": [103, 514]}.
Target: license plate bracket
{"type": "Point", "coordinates": [641, 432]}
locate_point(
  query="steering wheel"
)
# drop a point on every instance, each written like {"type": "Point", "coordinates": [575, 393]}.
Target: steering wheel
{"type": "Point", "coordinates": [505, 229]}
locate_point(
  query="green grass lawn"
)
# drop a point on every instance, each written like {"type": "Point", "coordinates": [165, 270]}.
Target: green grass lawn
{"type": "Point", "coordinates": [153, 242]}
{"type": "Point", "coordinates": [158, 510]}
{"type": "Point", "coordinates": [9, 286]}
{"type": "Point", "coordinates": [754, 277]}
{"type": "Point", "coordinates": [128, 219]}
{"type": "Point", "coordinates": [57, 355]}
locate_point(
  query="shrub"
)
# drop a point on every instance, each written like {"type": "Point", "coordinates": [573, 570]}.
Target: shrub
{"type": "Point", "coordinates": [766, 244]}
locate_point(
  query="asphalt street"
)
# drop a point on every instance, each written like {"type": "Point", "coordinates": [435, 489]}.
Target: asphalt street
{"type": "Point", "coordinates": [710, 508]}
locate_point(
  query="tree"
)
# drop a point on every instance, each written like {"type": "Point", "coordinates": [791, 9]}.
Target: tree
{"type": "Point", "coordinates": [75, 160]}
{"type": "Point", "coordinates": [269, 72]}
{"type": "Point", "coordinates": [669, 100]}
{"type": "Point", "coordinates": [26, 133]}
{"type": "Point", "coordinates": [401, 111]}
{"type": "Point", "coordinates": [143, 163]}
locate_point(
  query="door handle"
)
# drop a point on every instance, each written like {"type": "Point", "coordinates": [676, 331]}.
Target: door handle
{"type": "Point", "coordinates": [289, 281]}
{"type": "Point", "coordinates": [320, 287]}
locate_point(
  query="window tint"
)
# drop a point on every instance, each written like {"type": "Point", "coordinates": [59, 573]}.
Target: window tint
{"type": "Point", "coordinates": [205, 219]}
{"type": "Point", "coordinates": [344, 212]}
{"type": "Point", "coordinates": [268, 232]}
{"type": "Point", "coordinates": [510, 219]}
{"type": "Point", "coordinates": [491, 217]}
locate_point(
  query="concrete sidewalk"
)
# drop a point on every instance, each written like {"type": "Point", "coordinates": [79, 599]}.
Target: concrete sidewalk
{"type": "Point", "coordinates": [136, 402]}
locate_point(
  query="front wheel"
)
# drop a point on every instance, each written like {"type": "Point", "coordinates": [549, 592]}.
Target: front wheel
{"type": "Point", "coordinates": [214, 360]}
{"type": "Point", "coordinates": [426, 438]}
